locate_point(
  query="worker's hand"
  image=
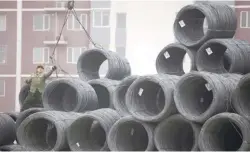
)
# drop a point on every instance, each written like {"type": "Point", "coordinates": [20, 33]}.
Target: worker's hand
{"type": "Point", "coordinates": [54, 68]}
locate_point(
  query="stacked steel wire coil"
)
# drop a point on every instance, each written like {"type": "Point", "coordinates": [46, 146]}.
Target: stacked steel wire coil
{"type": "Point", "coordinates": [173, 110]}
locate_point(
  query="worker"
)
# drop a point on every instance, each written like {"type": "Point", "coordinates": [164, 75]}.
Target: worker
{"type": "Point", "coordinates": [37, 85]}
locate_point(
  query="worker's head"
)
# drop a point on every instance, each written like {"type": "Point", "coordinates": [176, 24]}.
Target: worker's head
{"type": "Point", "coordinates": [39, 69]}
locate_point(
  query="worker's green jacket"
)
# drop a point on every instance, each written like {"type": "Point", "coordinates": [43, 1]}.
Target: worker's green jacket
{"type": "Point", "coordinates": [37, 81]}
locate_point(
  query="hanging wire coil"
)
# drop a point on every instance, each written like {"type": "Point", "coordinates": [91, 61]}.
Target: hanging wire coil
{"type": "Point", "coordinates": [188, 26]}
{"type": "Point", "coordinates": [170, 59]}
{"type": "Point", "coordinates": [90, 61]}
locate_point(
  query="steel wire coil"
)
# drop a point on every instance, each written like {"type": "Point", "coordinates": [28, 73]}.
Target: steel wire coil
{"type": "Point", "coordinates": [90, 61]}
{"type": "Point", "coordinates": [200, 95]}
{"type": "Point", "coordinates": [23, 93]}
{"type": "Point", "coordinates": [223, 56]}
{"type": "Point", "coordinates": [46, 131]}
{"type": "Point", "coordinates": [120, 93]}
{"type": "Point", "coordinates": [176, 133]}
{"type": "Point", "coordinates": [225, 132]}
{"type": "Point", "coordinates": [13, 115]}
{"type": "Point", "coordinates": [88, 133]}
{"type": "Point", "coordinates": [150, 98]}
{"type": "Point", "coordinates": [170, 59]}
{"type": "Point", "coordinates": [68, 94]}
{"type": "Point", "coordinates": [12, 148]}
{"type": "Point", "coordinates": [7, 130]}
{"type": "Point", "coordinates": [188, 26]}
{"type": "Point", "coordinates": [104, 89]}
{"type": "Point", "coordinates": [129, 134]}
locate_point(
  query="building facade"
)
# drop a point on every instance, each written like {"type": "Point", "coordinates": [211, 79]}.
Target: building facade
{"type": "Point", "coordinates": [28, 34]}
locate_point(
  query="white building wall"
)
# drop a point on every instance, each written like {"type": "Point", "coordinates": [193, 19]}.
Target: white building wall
{"type": "Point", "coordinates": [149, 29]}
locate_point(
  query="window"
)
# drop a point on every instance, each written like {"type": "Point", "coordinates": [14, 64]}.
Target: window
{"type": "Point", "coordinates": [2, 22]}
{"type": "Point", "coordinates": [101, 18]}
{"type": "Point", "coordinates": [73, 24]}
{"type": "Point", "coordinates": [121, 20]}
{"type": "Point", "coordinates": [244, 19]}
{"type": "Point", "coordinates": [3, 52]}
{"type": "Point", "coordinates": [2, 88]}
{"type": "Point", "coordinates": [121, 51]}
{"type": "Point", "coordinates": [41, 22]}
{"type": "Point", "coordinates": [73, 54]}
{"type": "Point", "coordinates": [41, 55]}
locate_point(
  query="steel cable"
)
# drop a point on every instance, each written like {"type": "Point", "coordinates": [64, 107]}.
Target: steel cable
{"type": "Point", "coordinates": [120, 93]}
{"type": "Point", "coordinates": [104, 89]}
{"type": "Point", "coordinates": [13, 115]}
{"type": "Point", "coordinates": [176, 133]}
{"type": "Point", "coordinates": [200, 95]}
{"type": "Point", "coordinates": [89, 62]}
{"type": "Point", "coordinates": [88, 133]}
{"type": "Point", "coordinates": [150, 98]}
{"type": "Point", "coordinates": [129, 134]}
{"type": "Point", "coordinates": [46, 131]}
{"type": "Point", "coordinates": [170, 59]}
{"type": "Point", "coordinates": [68, 94]}
{"type": "Point", "coordinates": [224, 55]}
{"type": "Point", "coordinates": [7, 130]}
{"type": "Point", "coordinates": [188, 26]}
{"type": "Point", "coordinates": [225, 132]}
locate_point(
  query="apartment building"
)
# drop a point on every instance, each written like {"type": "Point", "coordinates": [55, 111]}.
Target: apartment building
{"type": "Point", "coordinates": [28, 34]}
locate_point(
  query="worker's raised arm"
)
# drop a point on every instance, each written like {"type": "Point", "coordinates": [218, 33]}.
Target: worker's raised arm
{"type": "Point", "coordinates": [47, 75]}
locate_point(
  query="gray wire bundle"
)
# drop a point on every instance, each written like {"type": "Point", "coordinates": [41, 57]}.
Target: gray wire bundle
{"type": "Point", "coordinates": [7, 130]}
{"type": "Point", "coordinates": [150, 98]}
{"type": "Point", "coordinates": [188, 25]}
{"type": "Point", "coordinates": [225, 132]}
{"type": "Point", "coordinates": [241, 97]}
{"type": "Point", "coordinates": [200, 95]}
{"type": "Point", "coordinates": [88, 132]}
{"type": "Point", "coordinates": [176, 133]}
{"type": "Point", "coordinates": [120, 93]}
{"type": "Point", "coordinates": [224, 55]}
{"type": "Point", "coordinates": [90, 61]}
{"type": "Point", "coordinates": [104, 89]}
{"type": "Point", "coordinates": [23, 93]}
{"type": "Point", "coordinates": [170, 59]}
{"type": "Point", "coordinates": [129, 134]}
{"type": "Point", "coordinates": [46, 131]}
{"type": "Point", "coordinates": [69, 94]}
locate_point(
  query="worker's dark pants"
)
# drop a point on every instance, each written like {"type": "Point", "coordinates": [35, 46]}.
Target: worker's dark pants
{"type": "Point", "coordinates": [33, 100]}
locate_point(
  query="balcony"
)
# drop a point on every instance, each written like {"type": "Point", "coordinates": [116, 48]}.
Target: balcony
{"type": "Point", "coordinates": [58, 7]}
{"type": "Point", "coordinates": [62, 41]}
